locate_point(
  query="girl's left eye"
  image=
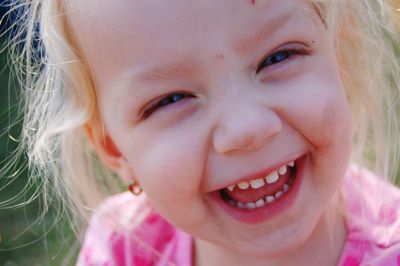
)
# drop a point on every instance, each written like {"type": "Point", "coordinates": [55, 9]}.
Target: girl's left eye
{"type": "Point", "coordinates": [281, 56]}
{"type": "Point", "coordinates": [164, 101]}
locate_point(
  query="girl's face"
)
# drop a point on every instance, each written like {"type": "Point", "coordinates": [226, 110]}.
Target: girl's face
{"type": "Point", "coordinates": [201, 95]}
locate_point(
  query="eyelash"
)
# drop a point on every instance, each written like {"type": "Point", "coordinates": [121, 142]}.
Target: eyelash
{"type": "Point", "coordinates": [270, 60]}
{"type": "Point", "coordinates": [287, 53]}
{"type": "Point", "coordinates": [165, 101]}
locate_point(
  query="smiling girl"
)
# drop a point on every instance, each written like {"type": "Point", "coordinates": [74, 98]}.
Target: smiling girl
{"type": "Point", "coordinates": [238, 119]}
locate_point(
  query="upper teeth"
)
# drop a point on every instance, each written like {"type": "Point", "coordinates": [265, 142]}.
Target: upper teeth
{"type": "Point", "coordinates": [260, 182]}
{"type": "Point", "coordinates": [272, 178]}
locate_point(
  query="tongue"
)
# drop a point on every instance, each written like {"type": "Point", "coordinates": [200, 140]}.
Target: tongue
{"type": "Point", "coordinates": [252, 195]}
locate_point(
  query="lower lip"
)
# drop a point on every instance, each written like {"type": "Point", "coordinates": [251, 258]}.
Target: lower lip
{"type": "Point", "coordinates": [268, 211]}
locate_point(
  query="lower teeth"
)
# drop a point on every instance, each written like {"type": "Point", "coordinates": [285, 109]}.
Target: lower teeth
{"type": "Point", "coordinates": [264, 201]}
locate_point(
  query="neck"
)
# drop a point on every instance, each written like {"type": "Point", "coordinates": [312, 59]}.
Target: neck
{"type": "Point", "coordinates": [324, 246]}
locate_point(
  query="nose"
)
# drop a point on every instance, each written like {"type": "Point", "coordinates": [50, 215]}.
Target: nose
{"type": "Point", "coordinates": [245, 127]}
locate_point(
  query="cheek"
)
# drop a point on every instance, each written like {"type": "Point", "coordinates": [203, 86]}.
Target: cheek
{"type": "Point", "coordinates": [327, 128]}
{"type": "Point", "coordinates": [336, 123]}
{"type": "Point", "coordinates": [328, 124]}
{"type": "Point", "coordinates": [320, 112]}
{"type": "Point", "coordinates": [169, 167]}
{"type": "Point", "coordinates": [322, 102]}
{"type": "Point", "coordinates": [169, 163]}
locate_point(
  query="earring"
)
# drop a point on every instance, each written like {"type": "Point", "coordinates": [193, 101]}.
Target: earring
{"type": "Point", "coordinates": [135, 188]}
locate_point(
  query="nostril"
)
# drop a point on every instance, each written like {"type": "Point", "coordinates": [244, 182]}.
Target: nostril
{"type": "Point", "coordinates": [245, 141]}
{"type": "Point", "coordinates": [251, 142]}
{"type": "Point", "coordinates": [246, 132]}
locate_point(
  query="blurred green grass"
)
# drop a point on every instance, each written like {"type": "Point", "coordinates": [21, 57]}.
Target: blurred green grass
{"type": "Point", "coordinates": [27, 239]}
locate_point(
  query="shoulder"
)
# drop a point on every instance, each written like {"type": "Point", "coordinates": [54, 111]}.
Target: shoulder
{"type": "Point", "coordinates": [373, 219]}
{"type": "Point", "coordinates": [125, 230]}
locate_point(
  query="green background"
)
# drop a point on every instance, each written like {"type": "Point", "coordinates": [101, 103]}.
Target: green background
{"type": "Point", "coordinates": [27, 238]}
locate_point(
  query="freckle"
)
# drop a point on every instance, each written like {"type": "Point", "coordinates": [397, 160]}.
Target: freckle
{"type": "Point", "coordinates": [313, 42]}
{"type": "Point", "coordinates": [220, 56]}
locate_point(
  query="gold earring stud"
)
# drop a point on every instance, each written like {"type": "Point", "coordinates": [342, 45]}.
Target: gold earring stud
{"type": "Point", "coordinates": [135, 188]}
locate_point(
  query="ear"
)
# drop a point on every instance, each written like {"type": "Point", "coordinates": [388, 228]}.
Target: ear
{"type": "Point", "coordinates": [107, 150]}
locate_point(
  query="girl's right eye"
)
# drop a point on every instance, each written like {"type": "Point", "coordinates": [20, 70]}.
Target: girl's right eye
{"type": "Point", "coordinates": [163, 102]}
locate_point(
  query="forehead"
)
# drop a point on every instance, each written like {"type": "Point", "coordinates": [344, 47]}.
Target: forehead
{"type": "Point", "coordinates": [175, 9]}
{"type": "Point", "coordinates": [126, 31]}
{"type": "Point", "coordinates": [111, 20]}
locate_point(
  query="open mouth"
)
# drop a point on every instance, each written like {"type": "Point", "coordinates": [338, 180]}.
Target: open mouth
{"type": "Point", "coordinates": [265, 196]}
{"type": "Point", "coordinates": [262, 191]}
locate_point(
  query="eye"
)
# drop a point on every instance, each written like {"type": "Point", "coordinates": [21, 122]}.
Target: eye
{"type": "Point", "coordinates": [163, 102]}
{"type": "Point", "coordinates": [281, 56]}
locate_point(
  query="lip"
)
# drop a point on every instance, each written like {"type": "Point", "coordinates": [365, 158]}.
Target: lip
{"type": "Point", "coordinates": [268, 211]}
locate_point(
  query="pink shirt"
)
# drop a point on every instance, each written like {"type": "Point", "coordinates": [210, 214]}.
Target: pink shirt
{"type": "Point", "coordinates": [126, 231]}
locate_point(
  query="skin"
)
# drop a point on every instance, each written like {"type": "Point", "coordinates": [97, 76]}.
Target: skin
{"type": "Point", "coordinates": [235, 119]}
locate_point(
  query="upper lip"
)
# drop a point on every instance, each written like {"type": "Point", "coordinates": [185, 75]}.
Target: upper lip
{"type": "Point", "coordinates": [260, 174]}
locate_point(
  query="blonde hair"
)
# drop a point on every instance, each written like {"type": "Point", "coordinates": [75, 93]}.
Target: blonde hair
{"type": "Point", "coordinates": [59, 97]}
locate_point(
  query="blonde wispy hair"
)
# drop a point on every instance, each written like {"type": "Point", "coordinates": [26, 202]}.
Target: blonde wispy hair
{"type": "Point", "coordinates": [58, 97]}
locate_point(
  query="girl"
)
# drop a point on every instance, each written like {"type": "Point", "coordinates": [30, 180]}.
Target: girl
{"type": "Point", "coordinates": [238, 120]}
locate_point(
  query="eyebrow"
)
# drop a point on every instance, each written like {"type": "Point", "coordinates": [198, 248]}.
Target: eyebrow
{"type": "Point", "coordinates": [184, 68]}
